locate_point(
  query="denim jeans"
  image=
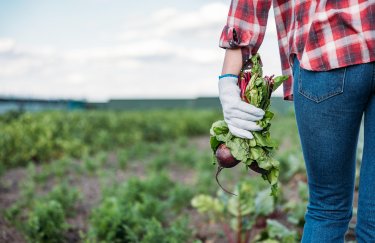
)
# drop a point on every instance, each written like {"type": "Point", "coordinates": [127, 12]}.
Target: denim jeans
{"type": "Point", "coordinates": [328, 108]}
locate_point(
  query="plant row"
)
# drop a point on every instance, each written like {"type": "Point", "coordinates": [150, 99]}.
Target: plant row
{"type": "Point", "coordinates": [49, 135]}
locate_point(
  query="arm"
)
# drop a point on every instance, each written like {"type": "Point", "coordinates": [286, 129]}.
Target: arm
{"type": "Point", "coordinates": [232, 61]}
{"type": "Point", "coordinates": [240, 116]}
{"type": "Point", "coordinates": [241, 36]}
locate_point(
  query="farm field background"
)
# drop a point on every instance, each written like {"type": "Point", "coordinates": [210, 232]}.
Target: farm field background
{"type": "Point", "coordinates": [141, 176]}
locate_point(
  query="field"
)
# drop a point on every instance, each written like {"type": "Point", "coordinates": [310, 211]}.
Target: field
{"type": "Point", "coordinates": [95, 176]}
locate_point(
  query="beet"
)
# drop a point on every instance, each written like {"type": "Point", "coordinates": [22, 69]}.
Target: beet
{"type": "Point", "coordinates": [261, 222]}
{"type": "Point", "coordinates": [224, 157]}
{"type": "Point", "coordinates": [255, 167]}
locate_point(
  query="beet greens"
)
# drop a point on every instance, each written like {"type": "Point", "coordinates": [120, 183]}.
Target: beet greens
{"type": "Point", "coordinates": [255, 153]}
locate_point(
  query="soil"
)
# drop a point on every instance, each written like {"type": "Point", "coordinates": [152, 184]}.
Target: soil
{"type": "Point", "coordinates": [8, 234]}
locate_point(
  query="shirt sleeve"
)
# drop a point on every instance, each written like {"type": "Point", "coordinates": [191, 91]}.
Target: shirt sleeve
{"type": "Point", "coordinates": [246, 25]}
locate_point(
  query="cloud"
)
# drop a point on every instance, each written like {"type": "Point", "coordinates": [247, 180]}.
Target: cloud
{"type": "Point", "coordinates": [6, 45]}
{"type": "Point", "coordinates": [169, 22]}
{"type": "Point", "coordinates": [205, 18]}
{"type": "Point", "coordinates": [172, 53]}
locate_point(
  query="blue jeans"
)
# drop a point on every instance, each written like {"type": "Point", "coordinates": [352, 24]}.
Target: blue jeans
{"type": "Point", "coordinates": [328, 107]}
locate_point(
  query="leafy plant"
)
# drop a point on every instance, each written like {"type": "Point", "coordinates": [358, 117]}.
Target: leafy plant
{"type": "Point", "coordinates": [241, 212]}
{"type": "Point", "coordinates": [46, 223]}
{"type": "Point", "coordinates": [291, 162]}
{"type": "Point", "coordinates": [91, 164]}
{"type": "Point", "coordinates": [155, 233]}
{"type": "Point", "coordinates": [179, 196]}
{"type": "Point", "coordinates": [13, 212]}
{"type": "Point", "coordinates": [28, 186]}
{"type": "Point", "coordinates": [296, 208]}
{"type": "Point", "coordinates": [64, 194]}
{"type": "Point", "coordinates": [275, 232]}
{"type": "Point", "coordinates": [123, 159]}
{"type": "Point", "coordinates": [141, 211]}
{"type": "Point", "coordinates": [159, 162]}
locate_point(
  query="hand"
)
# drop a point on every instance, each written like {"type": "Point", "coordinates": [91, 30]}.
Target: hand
{"type": "Point", "coordinates": [240, 116]}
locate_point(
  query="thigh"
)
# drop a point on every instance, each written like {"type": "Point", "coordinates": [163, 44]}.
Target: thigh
{"type": "Point", "coordinates": [328, 109]}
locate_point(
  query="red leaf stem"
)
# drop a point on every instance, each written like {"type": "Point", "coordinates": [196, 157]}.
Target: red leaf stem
{"type": "Point", "coordinates": [228, 233]}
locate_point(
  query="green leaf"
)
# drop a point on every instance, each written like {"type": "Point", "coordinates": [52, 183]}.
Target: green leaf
{"type": "Point", "coordinates": [214, 143]}
{"type": "Point", "coordinates": [219, 127]}
{"type": "Point", "coordinates": [256, 153]}
{"type": "Point", "coordinates": [278, 231]}
{"type": "Point", "coordinates": [269, 241]}
{"type": "Point", "coordinates": [238, 148]}
{"type": "Point", "coordinates": [275, 190]}
{"type": "Point", "coordinates": [268, 114]}
{"type": "Point", "coordinates": [273, 175]}
{"type": "Point", "coordinates": [243, 204]}
{"type": "Point", "coordinates": [207, 204]}
{"type": "Point", "coordinates": [303, 190]}
{"type": "Point", "coordinates": [252, 142]}
{"type": "Point", "coordinates": [254, 97]}
{"type": "Point", "coordinates": [259, 81]}
{"type": "Point", "coordinates": [264, 141]}
{"type": "Point", "coordinates": [279, 80]}
{"type": "Point", "coordinates": [296, 211]}
{"type": "Point", "coordinates": [264, 204]}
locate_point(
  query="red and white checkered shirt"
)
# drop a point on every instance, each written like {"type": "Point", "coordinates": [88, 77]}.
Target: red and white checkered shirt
{"type": "Point", "coordinates": [324, 34]}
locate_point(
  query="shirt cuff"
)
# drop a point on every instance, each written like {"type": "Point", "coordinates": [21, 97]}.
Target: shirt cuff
{"type": "Point", "coordinates": [234, 37]}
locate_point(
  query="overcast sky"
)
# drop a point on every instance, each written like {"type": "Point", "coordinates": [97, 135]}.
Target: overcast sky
{"type": "Point", "coordinates": [102, 49]}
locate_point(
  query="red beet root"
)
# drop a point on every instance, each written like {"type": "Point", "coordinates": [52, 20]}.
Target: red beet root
{"type": "Point", "coordinates": [224, 157]}
{"type": "Point", "coordinates": [255, 167]}
{"type": "Point", "coordinates": [261, 222]}
{"type": "Point", "coordinates": [226, 160]}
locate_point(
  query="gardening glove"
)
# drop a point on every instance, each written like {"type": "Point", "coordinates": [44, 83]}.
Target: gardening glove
{"type": "Point", "coordinates": [240, 116]}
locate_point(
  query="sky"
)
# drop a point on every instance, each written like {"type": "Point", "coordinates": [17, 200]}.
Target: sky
{"type": "Point", "coordinates": [97, 50]}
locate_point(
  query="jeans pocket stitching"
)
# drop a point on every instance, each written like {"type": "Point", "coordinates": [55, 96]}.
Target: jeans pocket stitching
{"type": "Point", "coordinates": [324, 97]}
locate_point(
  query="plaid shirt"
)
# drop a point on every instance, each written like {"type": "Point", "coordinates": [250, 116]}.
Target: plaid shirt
{"type": "Point", "coordinates": [324, 34]}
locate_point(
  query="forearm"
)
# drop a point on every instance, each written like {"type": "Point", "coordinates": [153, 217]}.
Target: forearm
{"type": "Point", "coordinates": [233, 61]}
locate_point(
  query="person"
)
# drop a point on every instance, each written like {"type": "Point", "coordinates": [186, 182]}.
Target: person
{"type": "Point", "coordinates": [328, 50]}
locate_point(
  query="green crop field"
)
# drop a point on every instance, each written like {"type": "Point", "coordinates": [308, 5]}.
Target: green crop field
{"type": "Point", "coordinates": [140, 176]}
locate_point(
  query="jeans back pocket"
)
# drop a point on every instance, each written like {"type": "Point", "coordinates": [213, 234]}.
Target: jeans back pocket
{"type": "Point", "coordinates": [321, 85]}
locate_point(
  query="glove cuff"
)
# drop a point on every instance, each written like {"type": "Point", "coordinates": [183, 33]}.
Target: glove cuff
{"type": "Point", "coordinates": [227, 75]}
{"type": "Point", "coordinates": [228, 80]}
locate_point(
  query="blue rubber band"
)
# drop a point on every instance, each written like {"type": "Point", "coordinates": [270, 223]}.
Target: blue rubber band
{"type": "Point", "coordinates": [228, 75]}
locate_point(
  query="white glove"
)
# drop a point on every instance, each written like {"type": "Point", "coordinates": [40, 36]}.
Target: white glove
{"type": "Point", "coordinates": [240, 116]}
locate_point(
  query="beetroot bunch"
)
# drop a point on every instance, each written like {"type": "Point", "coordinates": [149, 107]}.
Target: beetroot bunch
{"type": "Point", "coordinates": [255, 153]}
